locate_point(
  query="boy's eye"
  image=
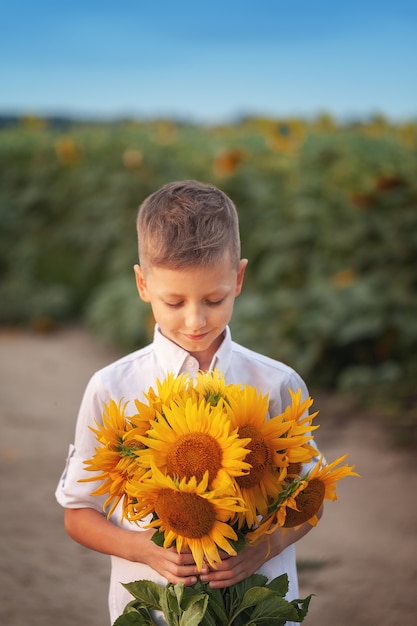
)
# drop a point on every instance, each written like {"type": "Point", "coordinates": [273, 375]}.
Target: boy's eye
{"type": "Point", "coordinates": [174, 305]}
{"type": "Point", "coordinates": [214, 302]}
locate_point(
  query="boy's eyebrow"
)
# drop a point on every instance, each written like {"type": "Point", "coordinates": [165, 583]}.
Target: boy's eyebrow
{"type": "Point", "coordinates": [218, 292]}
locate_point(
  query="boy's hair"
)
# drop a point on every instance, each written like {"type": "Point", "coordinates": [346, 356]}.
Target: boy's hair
{"type": "Point", "coordinates": [186, 224]}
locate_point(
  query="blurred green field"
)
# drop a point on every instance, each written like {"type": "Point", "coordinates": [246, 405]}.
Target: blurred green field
{"type": "Point", "coordinates": [328, 221]}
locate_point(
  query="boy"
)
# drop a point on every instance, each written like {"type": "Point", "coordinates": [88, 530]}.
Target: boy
{"type": "Point", "coordinates": [190, 272]}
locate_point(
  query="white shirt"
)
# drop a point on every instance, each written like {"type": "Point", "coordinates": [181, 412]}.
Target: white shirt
{"type": "Point", "coordinates": [129, 378]}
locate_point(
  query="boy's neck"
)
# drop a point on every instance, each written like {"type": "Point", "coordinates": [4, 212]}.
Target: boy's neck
{"type": "Point", "coordinates": [205, 358]}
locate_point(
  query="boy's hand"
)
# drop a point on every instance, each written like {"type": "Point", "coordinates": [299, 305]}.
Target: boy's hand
{"type": "Point", "coordinates": [176, 568]}
{"type": "Point", "coordinates": [233, 569]}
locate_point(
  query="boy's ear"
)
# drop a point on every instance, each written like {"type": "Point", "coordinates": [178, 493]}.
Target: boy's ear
{"type": "Point", "coordinates": [240, 274]}
{"type": "Point", "coordinates": [141, 283]}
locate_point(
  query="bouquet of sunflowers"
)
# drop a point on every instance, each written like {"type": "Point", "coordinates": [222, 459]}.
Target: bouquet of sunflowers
{"type": "Point", "coordinates": [215, 472]}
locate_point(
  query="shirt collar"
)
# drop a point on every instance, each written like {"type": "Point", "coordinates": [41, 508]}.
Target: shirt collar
{"type": "Point", "coordinates": [172, 357]}
{"type": "Point", "coordinates": [223, 355]}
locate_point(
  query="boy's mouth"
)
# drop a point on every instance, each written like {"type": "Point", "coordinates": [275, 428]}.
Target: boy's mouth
{"type": "Point", "coordinates": [196, 337]}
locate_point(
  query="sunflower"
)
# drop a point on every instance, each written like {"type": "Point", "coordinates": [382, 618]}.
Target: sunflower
{"type": "Point", "coordinates": [274, 445]}
{"type": "Point", "coordinates": [248, 412]}
{"type": "Point", "coordinates": [320, 486]}
{"type": "Point", "coordinates": [277, 511]}
{"type": "Point", "coordinates": [171, 389]}
{"type": "Point", "coordinates": [329, 475]}
{"type": "Point", "coordinates": [115, 456]}
{"type": "Point", "coordinates": [301, 499]}
{"type": "Point", "coordinates": [212, 387]}
{"type": "Point", "coordinates": [188, 439]}
{"type": "Point", "coordinates": [188, 514]}
{"type": "Point", "coordinates": [296, 413]}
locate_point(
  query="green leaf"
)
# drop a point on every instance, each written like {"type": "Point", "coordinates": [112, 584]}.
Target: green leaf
{"type": "Point", "coordinates": [191, 600]}
{"type": "Point", "coordinates": [268, 607]}
{"type": "Point", "coordinates": [135, 606]}
{"type": "Point", "coordinates": [233, 596]}
{"type": "Point", "coordinates": [279, 584]}
{"type": "Point", "coordinates": [256, 580]}
{"type": "Point", "coordinates": [302, 606]}
{"type": "Point", "coordinates": [178, 592]}
{"type": "Point", "coordinates": [183, 606]}
{"type": "Point", "coordinates": [272, 608]}
{"type": "Point", "coordinates": [210, 620]}
{"type": "Point", "coordinates": [146, 591]}
{"type": "Point", "coordinates": [169, 606]}
{"type": "Point", "coordinates": [216, 611]}
{"type": "Point", "coordinates": [158, 538]}
{"type": "Point", "coordinates": [240, 543]}
{"type": "Point", "coordinates": [194, 613]}
{"type": "Point", "coordinates": [255, 596]}
{"type": "Point", "coordinates": [192, 604]}
{"type": "Point", "coordinates": [134, 617]}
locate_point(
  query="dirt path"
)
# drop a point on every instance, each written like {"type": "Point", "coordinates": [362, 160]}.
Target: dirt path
{"type": "Point", "coordinates": [361, 560]}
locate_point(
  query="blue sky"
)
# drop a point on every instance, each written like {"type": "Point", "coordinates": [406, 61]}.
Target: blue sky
{"type": "Point", "coordinates": [211, 61]}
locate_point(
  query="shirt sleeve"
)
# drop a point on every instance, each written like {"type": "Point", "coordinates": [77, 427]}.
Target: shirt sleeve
{"type": "Point", "coordinates": [70, 493]}
{"type": "Point", "coordinates": [295, 382]}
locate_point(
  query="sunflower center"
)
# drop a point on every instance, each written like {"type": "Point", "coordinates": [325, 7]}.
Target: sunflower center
{"type": "Point", "coordinates": [186, 514]}
{"type": "Point", "coordinates": [259, 456]}
{"type": "Point", "coordinates": [308, 502]}
{"type": "Point", "coordinates": [293, 470]}
{"type": "Point", "coordinates": [192, 455]}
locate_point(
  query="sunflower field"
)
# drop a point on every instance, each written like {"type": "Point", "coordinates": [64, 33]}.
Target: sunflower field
{"type": "Point", "coordinates": [328, 222]}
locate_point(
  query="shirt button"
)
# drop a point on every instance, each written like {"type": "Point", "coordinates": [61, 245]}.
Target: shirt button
{"type": "Point", "coordinates": [191, 363]}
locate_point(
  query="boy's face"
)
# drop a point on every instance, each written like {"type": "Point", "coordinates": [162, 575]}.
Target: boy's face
{"type": "Point", "coordinates": [193, 306]}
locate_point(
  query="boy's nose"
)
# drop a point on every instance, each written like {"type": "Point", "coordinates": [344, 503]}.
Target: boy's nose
{"type": "Point", "coordinates": [195, 320]}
